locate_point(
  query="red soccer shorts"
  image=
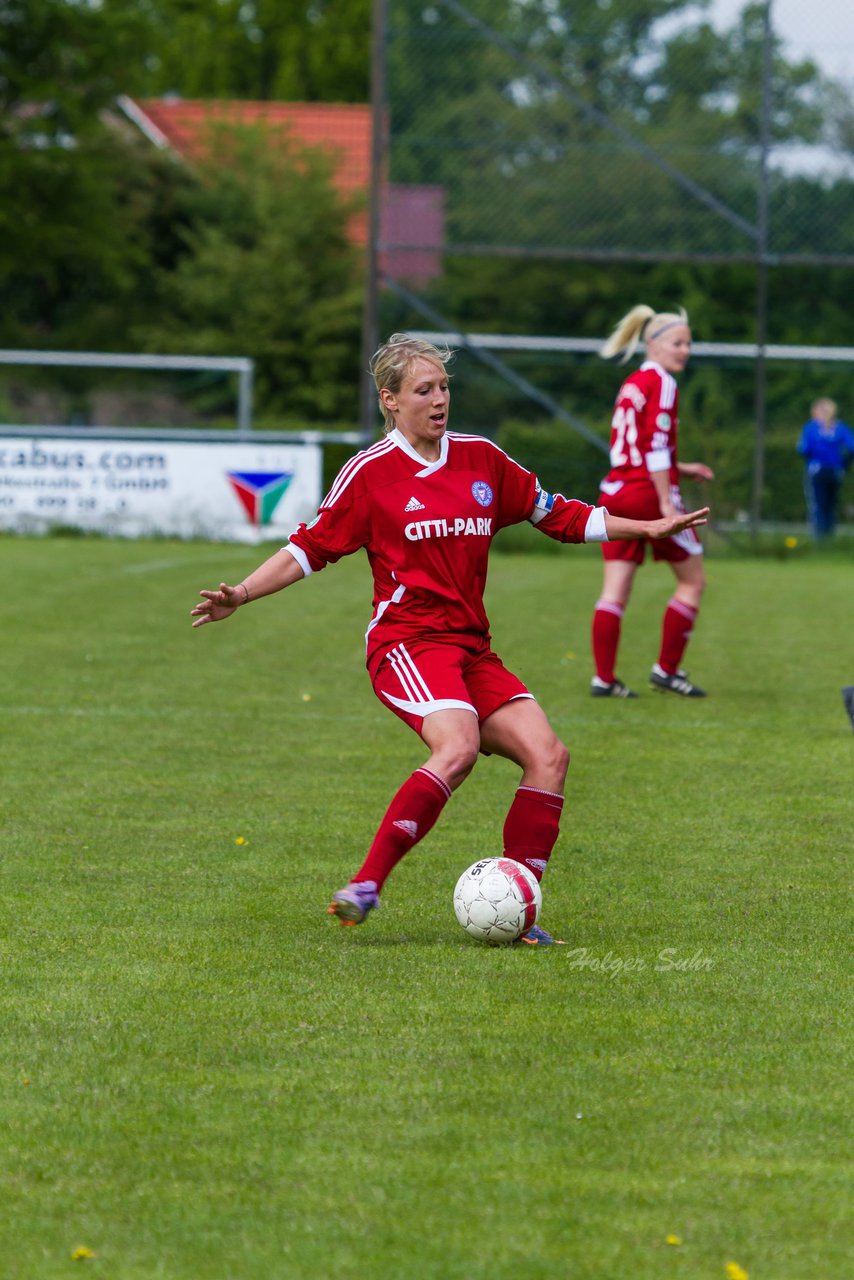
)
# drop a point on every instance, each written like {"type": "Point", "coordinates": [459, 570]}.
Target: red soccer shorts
{"type": "Point", "coordinates": [419, 677]}
{"type": "Point", "coordinates": [640, 502]}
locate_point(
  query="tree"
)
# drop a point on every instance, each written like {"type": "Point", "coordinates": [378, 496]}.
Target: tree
{"type": "Point", "coordinates": [269, 271]}
{"type": "Point", "coordinates": [584, 126]}
{"type": "Point", "coordinates": [60, 64]}
{"type": "Point", "coordinates": [74, 196]}
{"type": "Point", "coordinates": [285, 50]}
{"type": "Point", "coordinates": [102, 236]}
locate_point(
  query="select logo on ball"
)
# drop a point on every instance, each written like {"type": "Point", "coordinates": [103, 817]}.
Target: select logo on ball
{"type": "Point", "coordinates": [496, 900]}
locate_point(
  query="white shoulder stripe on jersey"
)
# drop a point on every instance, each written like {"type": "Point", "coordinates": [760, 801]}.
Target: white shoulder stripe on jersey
{"type": "Point", "coordinates": [458, 435]}
{"type": "Point", "coordinates": [352, 469]}
{"type": "Point", "coordinates": [667, 397]}
{"type": "Point", "coordinates": [351, 466]}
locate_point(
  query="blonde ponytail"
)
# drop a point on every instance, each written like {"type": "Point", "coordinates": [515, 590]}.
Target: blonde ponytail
{"type": "Point", "coordinates": [627, 332]}
{"type": "Point", "coordinates": [641, 320]}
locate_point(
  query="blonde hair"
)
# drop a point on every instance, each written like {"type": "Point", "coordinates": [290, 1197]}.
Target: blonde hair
{"type": "Point", "coordinates": [640, 321]}
{"type": "Point", "coordinates": [391, 362]}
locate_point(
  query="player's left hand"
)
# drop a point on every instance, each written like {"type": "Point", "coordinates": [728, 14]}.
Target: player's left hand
{"type": "Point", "coordinates": [667, 526]}
{"type": "Point", "coordinates": [696, 471]}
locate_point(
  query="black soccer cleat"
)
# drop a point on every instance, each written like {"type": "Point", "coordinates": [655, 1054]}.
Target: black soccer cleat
{"type": "Point", "coordinates": [848, 699]}
{"type": "Point", "coordinates": [678, 683]}
{"type": "Point", "coordinates": [616, 689]}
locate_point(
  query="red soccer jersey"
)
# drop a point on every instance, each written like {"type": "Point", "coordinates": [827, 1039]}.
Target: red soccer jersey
{"type": "Point", "coordinates": [427, 529]}
{"type": "Point", "coordinates": [643, 428]}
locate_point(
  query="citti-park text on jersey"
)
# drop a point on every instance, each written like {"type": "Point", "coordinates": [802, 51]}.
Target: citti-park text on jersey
{"type": "Point", "coordinates": [480, 527]}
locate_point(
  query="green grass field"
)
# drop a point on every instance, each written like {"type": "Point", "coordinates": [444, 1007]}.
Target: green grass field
{"type": "Point", "coordinates": [204, 1078]}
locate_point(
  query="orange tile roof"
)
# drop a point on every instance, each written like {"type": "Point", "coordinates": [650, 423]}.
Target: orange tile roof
{"type": "Point", "coordinates": [410, 215]}
{"type": "Point", "coordinates": [343, 128]}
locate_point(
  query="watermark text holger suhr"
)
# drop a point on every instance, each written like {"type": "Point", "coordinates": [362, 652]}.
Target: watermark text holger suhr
{"type": "Point", "coordinates": [668, 960]}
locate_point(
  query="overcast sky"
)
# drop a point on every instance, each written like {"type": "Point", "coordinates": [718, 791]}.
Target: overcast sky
{"type": "Point", "coordinates": [818, 29]}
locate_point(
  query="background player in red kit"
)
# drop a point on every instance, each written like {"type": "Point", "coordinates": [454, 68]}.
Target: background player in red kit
{"type": "Point", "coordinates": [425, 504]}
{"type": "Point", "coordinates": [644, 483]}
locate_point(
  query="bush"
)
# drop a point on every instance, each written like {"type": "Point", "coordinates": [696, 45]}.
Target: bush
{"type": "Point", "coordinates": [269, 270]}
{"type": "Point", "coordinates": [564, 462]}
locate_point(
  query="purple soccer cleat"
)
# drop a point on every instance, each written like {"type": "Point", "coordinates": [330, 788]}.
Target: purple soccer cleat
{"type": "Point", "coordinates": [537, 937]}
{"type": "Point", "coordinates": [352, 904]}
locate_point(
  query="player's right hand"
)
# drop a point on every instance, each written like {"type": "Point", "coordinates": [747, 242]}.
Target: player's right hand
{"type": "Point", "coordinates": [216, 605]}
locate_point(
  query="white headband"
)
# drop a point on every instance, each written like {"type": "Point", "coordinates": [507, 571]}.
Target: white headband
{"type": "Point", "coordinates": [670, 325]}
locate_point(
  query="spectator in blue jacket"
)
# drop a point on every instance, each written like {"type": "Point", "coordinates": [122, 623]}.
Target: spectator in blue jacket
{"type": "Point", "coordinates": [827, 447]}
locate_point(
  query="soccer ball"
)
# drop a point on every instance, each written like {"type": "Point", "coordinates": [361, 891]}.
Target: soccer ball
{"type": "Point", "coordinates": [497, 900]}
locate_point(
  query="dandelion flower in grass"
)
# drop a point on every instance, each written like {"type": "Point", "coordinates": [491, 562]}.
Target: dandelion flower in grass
{"type": "Point", "coordinates": [674, 1239]}
{"type": "Point", "coordinates": [81, 1253]}
{"type": "Point", "coordinates": [791, 543]}
{"type": "Point", "coordinates": [241, 840]}
{"type": "Point", "coordinates": [735, 1272]}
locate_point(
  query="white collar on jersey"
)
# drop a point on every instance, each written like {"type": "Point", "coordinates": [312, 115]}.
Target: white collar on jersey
{"type": "Point", "coordinates": [427, 468]}
{"type": "Point", "coordinates": [653, 364]}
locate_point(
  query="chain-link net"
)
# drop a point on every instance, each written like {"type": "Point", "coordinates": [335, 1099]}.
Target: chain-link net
{"type": "Point", "coordinates": [532, 137]}
{"type": "Point", "coordinates": [593, 128]}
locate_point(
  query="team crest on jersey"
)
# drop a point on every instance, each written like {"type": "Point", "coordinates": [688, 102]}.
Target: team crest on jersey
{"type": "Point", "coordinates": [482, 493]}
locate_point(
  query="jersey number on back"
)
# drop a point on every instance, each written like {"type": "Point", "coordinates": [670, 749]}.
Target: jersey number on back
{"type": "Point", "coordinates": [625, 447]}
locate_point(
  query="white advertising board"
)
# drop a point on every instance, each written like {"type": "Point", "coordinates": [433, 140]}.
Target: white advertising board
{"type": "Point", "coordinates": [236, 492]}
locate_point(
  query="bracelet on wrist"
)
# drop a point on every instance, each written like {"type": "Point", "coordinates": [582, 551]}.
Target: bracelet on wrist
{"type": "Point", "coordinates": [245, 592]}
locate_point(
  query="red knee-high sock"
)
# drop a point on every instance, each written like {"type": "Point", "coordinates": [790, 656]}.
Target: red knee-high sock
{"type": "Point", "coordinates": [408, 818]}
{"type": "Point", "coordinates": [676, 629]}
{"type": "Point", "coordinates": [531, 828]}
{"type": "Point", "coordinates": [607, 621]}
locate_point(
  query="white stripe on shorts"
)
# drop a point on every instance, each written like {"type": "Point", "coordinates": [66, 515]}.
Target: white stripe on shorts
{"type": "Point", "coordinates": [411, 679]}
{"type": "Point", "coordinates": [425, 708]}
{"type": "Point", "coordinates": [688, 541]}
{"type": "Point", "coordinates": [419, 701]}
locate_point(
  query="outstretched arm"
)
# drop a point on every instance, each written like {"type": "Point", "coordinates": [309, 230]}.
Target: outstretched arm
{"type": "Point", "coordinates": [619, 528]}
{"type": "Point", "coordinates": [280, 571]}
{"type": "Point", "coordinates": [696, 470]}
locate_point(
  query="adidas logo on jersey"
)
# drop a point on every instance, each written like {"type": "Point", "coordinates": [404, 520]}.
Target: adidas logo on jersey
{"type": "Point", "coordinates": [414, 505]}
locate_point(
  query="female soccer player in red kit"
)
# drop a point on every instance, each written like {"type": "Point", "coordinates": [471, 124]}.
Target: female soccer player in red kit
{"type": "Point", "coordinates": [425, 505]}
{"type": "Point", "coordinates": [644, 483]}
